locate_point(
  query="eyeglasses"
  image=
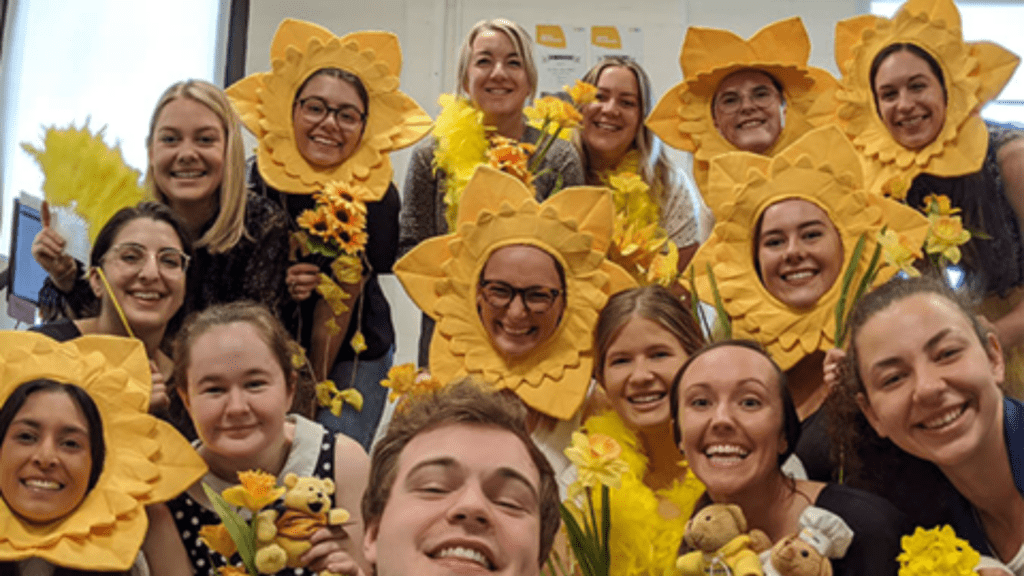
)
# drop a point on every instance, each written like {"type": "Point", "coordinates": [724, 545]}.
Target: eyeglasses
{"type": "Point", "coordinates": [501, 294]}
{"type": "Point", "coordinates": [133, 257]}
{"type": "Point", "coordinates": [314, 109]}
{"type": "Point", "coordinates": [761, 97]}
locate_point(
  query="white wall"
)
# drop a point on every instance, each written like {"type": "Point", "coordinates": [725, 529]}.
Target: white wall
{"type": "Point", "coordinates": [430, 32]}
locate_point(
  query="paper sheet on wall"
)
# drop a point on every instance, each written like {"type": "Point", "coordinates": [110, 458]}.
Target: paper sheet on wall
{"type": "Point", "coordinates": [616, 41]}
{"type": "Point", "coordinates": [561, 56]}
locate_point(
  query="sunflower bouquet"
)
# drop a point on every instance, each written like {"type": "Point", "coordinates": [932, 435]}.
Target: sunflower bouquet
{"type": "Point", "coordinates": [336, 228]}
{"type": "Point", "coordinates": [464, 142]}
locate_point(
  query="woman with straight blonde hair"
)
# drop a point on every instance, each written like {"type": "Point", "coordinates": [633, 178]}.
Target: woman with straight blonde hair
{"type": "Point", "coordinates": [196, 167]}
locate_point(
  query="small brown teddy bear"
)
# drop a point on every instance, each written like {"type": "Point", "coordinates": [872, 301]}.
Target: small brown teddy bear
{"type": "Point", "coordinates": [283, 528]}
{"type": "Point", "coordinates": [722, 546]}
{"type": "Point", "coordinates": [793, 556]}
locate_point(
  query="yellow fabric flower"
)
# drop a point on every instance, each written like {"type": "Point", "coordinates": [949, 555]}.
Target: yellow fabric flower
{"type": "Point", "coordinates": [441, 274]}
{"type": "Point", "coordinates": [265, 101]}
{"type": "Point", "coordinates": [664, 268]}
{"type": "Point", "coordinates": [936, 552]}
{"type": "Point", "coordinates": [332, 327]}
{"type": "Point", "coordinates": [945, 237]}
{"type": "Point", "coordinates": [596, 457]}
{"type": "Point", "coordinates": [643, 540]}
{"type": "Point", "coordinates": [400, 380]}
{"type": "Point", "coordinates": [582, 93]}
{"type": "Point", "coordinates": [896, 188]}
{"type": "Point", "coordinates": [146, 460]}
{"type": "Point", "coordinates": [461, 147]}
{"type": "Point", "coordinates": [100, 183]}
{"type": "Point", "coordinates": [347, 269]}
{"type": "Point", "coordinates": [822, 168]}
{"type": "Point", "coordinates": [511, 157]}
{"type": "Point", "coordinates": [256, 491]}
{"type": "Point", "coordinates": [326, 390]}
{"type": "Point", "coordinates": [899, 252]}
{"type": "Point", "coordinates": [974, 73]}
{"type": "Point", "coordinates": [553, 113]}
{"type": "Point", "coordinates": [333, 294]}
{"type": "Point", "coordinates": [939, 205]}
{"type": "Point", "coordinates": [682, 117]}
{"type": "Point", "coordinates": [358, 342]}
{"type": "Point", "coordinates": [328, 396]}
{"type": "Point", "coordinates": [319, 222]}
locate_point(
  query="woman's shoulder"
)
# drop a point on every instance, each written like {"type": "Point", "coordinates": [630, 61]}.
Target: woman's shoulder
{"type": "Point", "coordinates": [856, 506]}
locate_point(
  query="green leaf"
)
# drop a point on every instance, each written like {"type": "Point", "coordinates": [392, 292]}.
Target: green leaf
{"type": "Point", "coordinates": [723, 318]}
{"type": "Point", "coordinates": [606, 527]}
{"type": "Point", "coordinates": [695, 309]}
{"type": "Point", "coordinates": [314, 244]}
{"type": "Point", "coordinates": [240, 530]}
{"type": "Point", "coordinates": [865, 283]}
{"type": "Point", "coordinates": [582, 545]}
{"type": "Point", "coordinates": [845, 289]}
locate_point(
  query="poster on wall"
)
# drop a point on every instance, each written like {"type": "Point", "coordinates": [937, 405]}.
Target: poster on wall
{"type": "Point", "coordinates": [561, 56]}
{"type": "Point", "coordinates": [616, 41]}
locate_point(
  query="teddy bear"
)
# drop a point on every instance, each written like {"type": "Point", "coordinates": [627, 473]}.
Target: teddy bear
{"type": "Point", "coordinates": [721, 544]}
{"type": "Point", "coordinates": [792, 556]}
{"type": "Point", "coordinates": [822, 535]}
{"type": "Point", "coordinates": [284, 527]}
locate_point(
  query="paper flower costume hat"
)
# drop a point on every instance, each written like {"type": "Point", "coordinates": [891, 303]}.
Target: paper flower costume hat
{"type": "Point", "coordinates": [683, 118]}
{"type": "Point", "coordinates": [823, 168]}
{"type": "Point", "coordinates": [146, 460]}
{"type": "Point", "coordinates": [974, 73]}
{"type": "Point", "coordinates": [441, 275]}
{"type": "Point", "coordinates": [264, 102]}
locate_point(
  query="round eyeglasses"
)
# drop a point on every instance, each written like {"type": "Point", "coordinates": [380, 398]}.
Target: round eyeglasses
{"type": "Point", "coordinates": [314, 109]}
{"type": "Point", "coordinates": [133, 257]}
{"type": "Point", "coordinates": [536, 299]}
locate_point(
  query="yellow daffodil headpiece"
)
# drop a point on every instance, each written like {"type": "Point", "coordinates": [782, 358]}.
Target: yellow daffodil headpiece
{"type": "Point", "coordinates": [441, 275]}
{"type": "Point", "coordinates": [974, 73]}
{"type": "Point", "coordinates": [823, 168]}
{"type": "Point", "coordinates": [264, 102]}
{"type": "Point", "coordinates": [683, 117]}
{"type": "Point", "coordinates": [146, 460]}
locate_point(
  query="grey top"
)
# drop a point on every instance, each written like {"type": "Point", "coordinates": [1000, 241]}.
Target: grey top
{"type": "Point", "coordinates": [423, 206]}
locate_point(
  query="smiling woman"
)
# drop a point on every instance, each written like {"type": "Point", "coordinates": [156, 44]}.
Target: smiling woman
{"type": "Point", "coordinates": [930, 405]}
{"type": "Point", "coordinates": [736, 423]}
{"type": "Point", "coordinates": [233, 370]}
{"type": "Point", "coordinates": [757, 95]}
{"type": "Point", "coordinates": [786, 231]}
{"type": "Point", "coordinates": [51, 449]}
{"type": "Point", "coordinates": [614, 139]}
{"type": "Point", "coordinates": [196, 168]}
{"type": "Point", "coordinates": [911, 92]}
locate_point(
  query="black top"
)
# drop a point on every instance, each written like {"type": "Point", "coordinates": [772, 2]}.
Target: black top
{"type": "Point", "coordinates": [877, 527]}
{"type": "Point", "coordinates": [60, 330]}
{"type": "Point", "coordinates": [814, 447]}
{"type": "Point", "coordinates": [993, 265]}
{"type": "Point", "coordinates": [381, 253]}
{"type": "Point", "coordinates": [253, 269]}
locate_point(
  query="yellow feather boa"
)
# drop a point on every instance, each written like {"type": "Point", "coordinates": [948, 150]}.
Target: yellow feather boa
{"type": "Point", "coordinates": [643, 542]}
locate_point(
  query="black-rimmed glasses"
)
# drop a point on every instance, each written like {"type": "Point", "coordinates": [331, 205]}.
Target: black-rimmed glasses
{"type": "Point", "coordinates": [314, 109]}
{"type": "Point", "coordinates": [537, 299]}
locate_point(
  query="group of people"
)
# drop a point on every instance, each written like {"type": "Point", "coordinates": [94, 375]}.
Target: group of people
{"type": "Point", "coordinates": [794, 399]}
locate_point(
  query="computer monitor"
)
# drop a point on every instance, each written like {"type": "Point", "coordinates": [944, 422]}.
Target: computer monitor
{"type": "Point", "coordinates": [26, 275]}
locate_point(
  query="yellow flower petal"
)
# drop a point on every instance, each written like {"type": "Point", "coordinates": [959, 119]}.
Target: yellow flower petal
{"type": "Point", "coordinates": [217, 538]}
{"type": "Point", "coordinates": [347, 269]}
{"type": "Point", "coordinates": [582, 93]}
{"type": "Point", "coordinates": [333, 295]}
{"type": "Point", "coordinates": [353, 397]}
{"type": "Point", "coordinates": [257, 490]}
{"type": "Point", "coordinates": [358, 343]}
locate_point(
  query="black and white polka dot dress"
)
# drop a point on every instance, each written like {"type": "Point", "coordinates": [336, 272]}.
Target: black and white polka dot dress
{"type": "Point", "coordinates": [312, 454]}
